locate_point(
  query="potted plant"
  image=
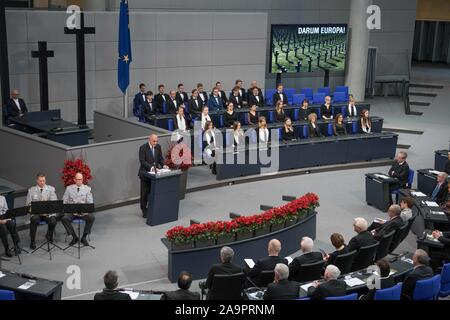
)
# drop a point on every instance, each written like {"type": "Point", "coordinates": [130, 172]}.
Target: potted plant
{"type": "Point", "coordinates": [245, 227]}
{"type": "Point", "coordinates": [180, 238]}
{"type": "Point", "coordinates": [225, 231]}
{"type": "Point", "coordinates": [278, 219]}
{"type": "Point", "coordinates": [205, 235]}
{"type": "Point", "coordinates": [179, 157]}
{"type": "Point", "coordinates": [262, 226]}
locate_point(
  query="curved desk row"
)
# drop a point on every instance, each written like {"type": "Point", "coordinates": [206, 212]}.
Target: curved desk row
{"type": "Point", "coordinates": [440, 159]}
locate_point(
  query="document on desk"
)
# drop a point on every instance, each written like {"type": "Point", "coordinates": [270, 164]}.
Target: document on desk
{"type": "Point", "coordinates": [381, 176]}
{"type": "Point", "coordinates": [27, 285]}
{"type": "Point", "coordinates": [434, 172]}
{"type": "Point", "coordinates": [133, 295]}
{"type": "Point", "coordinates": [2, 275]}
{"type": "Point", "coordinates": [306, 286]}
{"type": "Point", "coordinates": [431, 204]}
{"type": "Point", "coordinates": [440, 213]}
{"type": "Point", "coordinates": [250, 263]}
{"type": "Point", "coordinates": [353, 282]}
{"type": "Point", "coordinates": [289, 259]}
{"type": "Point", "coordinates": [160, 171]}
{"type": "Point", "coordinates": [418, 194]}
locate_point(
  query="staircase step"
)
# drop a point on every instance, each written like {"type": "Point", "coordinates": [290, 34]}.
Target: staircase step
{"type": "Point", "coordinates": [426, 85]}
{"type": "Point", "coordinates": [419, 103]}
{"type": "Point", "coordinates": [403, 146]}
{"type": "Point", "coordinates": [422, 94]}
{"type": "Point", "coordinates": [414, 113]}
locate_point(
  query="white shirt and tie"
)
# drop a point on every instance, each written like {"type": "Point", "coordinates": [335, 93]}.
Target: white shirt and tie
{"type": "Point", "coordinates": [204, 119]}
{"type": "Point", "coordinates": [16, 101]}
{"type": "Point", "coordinates": [263, 135]}
{"type": "Point", "coordinates": [280, 94]}
{"type": "Point", "coordinates": [352, 112]}
{"type": "Point", "coordinates": [257, 98]}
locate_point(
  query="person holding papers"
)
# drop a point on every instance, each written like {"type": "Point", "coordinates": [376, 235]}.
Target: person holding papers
{"type": "Point", "coordinates": [78, 193]}
{"type": "Point", "coordinates": [308, 256]}
{"type": "Point", "coordinates": [338, 242]}
{"type": "Point", "coordinates": [267, 263]}
{"type": "Point", "coordinates": [282, 288]}
{"type": "Point", "coordinates": [8, 225]}
{"type": "Point", "coordinates": [380, 228]}
{"type": "Point", "coordinates": [440, 191]}
{"type": "Point", "coordinates": [150, 156]}
{"type": "Point", "coordinates": [331, 287]}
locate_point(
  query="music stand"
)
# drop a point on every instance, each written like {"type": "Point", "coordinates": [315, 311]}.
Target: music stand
{"type": "Point", "coordinates": [79, 209]}
{"type": "Point", "coordinates": [43, 208]}
{"type": "Point", "coordinates": [12, 214]}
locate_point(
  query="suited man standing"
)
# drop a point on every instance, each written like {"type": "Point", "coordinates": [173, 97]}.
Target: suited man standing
{"type": "Point", "coordinates": [215, 102]}
{"type": "Point", "coordinates": [267, 263]}
{"type": "Point", "coordinates": [149, 106]}
{"type": "Point", "coordinates": [183, 293]}
{"type": "Point", "coordinates": [332, 287]}
{"type": "Point", "coordinates": [150, 155]}
{"type": "Point", "coordinates": [255, 99]}
{"type": "Point", "coordinates": [221, 92]}
{"type": "Point", "coordinates": [236, 99]}
{"type": "Point", "coordinates": [363, 237]}
{"type": "Point", "coordinates": [172, 103]}
{"type": "Point", "coordinates": [16, 107]}
{"type": "Point", "coordinates": [195, 104]}
{"type": "Point", "coordinates": [181, 96]}
{"type": "Point", "coordinates": [421, 271]}
{"type": "Point", "coordinates": [282, 288]}
{"type": "Point", "coordinates": [400, 170]}
{"type": "Point", "coordinates": [242, 92]}
{"type": "Point", "coordinates": [280, 95]}
{"type": "Point", "coordinates": [202, 94]}
{"type": "Point", "coordinates": [139, 98]}
{"type": "Point", "coordinates": [441, 190]}
{"type": "Point", "coordinates": [308, 256]}
{"type": "Point", "coordinates": [394, 223]}
{"type": "Point", "coordinates": [161, 98]}
{"type": "Point", "coordinates": [253, 85]}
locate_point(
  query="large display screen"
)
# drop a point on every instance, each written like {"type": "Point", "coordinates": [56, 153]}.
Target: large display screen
{"type": "Point", "coordinates": [308, 47]}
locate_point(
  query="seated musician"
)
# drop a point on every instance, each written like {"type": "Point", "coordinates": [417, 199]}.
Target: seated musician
{"type": "Point", "coordinates": [8, 225]}
{"type": "Point", "coordinates": [304, 111]}
{"type": "Point", "coordinates": [252, 116]}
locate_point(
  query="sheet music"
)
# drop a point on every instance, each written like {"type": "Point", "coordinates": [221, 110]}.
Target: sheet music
{"type": "Point", "coordinates": [133, 295]}
{"type": "Point", "coordinates": [250, 263]}
{"type": "Point", "coordinates": [353, 282]}
{"type": "Point", "coordinates": [306, 286]}
{"type": "Point", "coordinates": [2, 275]}
{"type": "Point", "coordinates": [289, 259]}
{"type": "Point", "coordinates": [431, 204]}
{"type": "Point", "coordinates": [160, 171]}
{"type": "Point", "coordinates": [418, 194]}
{"type": "Point", "coordinates": [27, 285]}
{"type": "Point", "coordinates": [381, 176]}
{"type": "Point", "coordinates": [434, 172]}
{"type": "Point", "coordinates": [441, 213]}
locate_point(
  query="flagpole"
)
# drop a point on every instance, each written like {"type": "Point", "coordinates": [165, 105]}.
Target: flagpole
{"type": "Point", "coordinates": [125, 104]}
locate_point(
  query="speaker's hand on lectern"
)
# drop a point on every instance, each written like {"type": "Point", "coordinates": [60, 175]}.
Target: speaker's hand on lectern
{"type": "Point", "coordinates": [165, 167]}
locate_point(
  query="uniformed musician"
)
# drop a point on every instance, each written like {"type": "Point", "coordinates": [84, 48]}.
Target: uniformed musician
{"type": "Point", "coordinates": [41, 192]}
{"type": "Point", "coordinates": [8, 225]}
{"type": "Point", "coordinates": [78, 193]}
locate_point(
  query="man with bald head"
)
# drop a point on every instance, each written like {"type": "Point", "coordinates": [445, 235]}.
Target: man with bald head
{"type": "Point", "coordinates": [78, 193]}
{"type": "Point", "coordinates": [15, 107]}
{"type": "Point", "coordinates": [267, 263]}
{"type": "Point", "coordinates": [308, 256]}
{"type": "Point", "coordinates": [150, 156]}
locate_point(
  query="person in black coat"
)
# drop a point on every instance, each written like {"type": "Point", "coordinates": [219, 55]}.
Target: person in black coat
{"type": "Point", "coordinates": [400, 170]}
{"type": "Point", "coordinates": [183, 293]}
{"type": "Point", "coordinates": [110, 292]}
{"type": "Point", "coordinates": [255, 99]}
{"type": "Point", "coordinates": [421, 271]}
{"type": "Point", "coordinates": [266, 264]}
{"type": "Point", "coordinates": [149, 106]}
{"type": "Point", "coordinates": [363, 238]}
{"type": "Point", "coordinates": [332, 287]}
{"type": "Point", "coordinates": [254, 85]}
{"type": "Point", "coordinates": [313, 127]}
{"type": "Point", "coordinates": [394, 223]}
{"type": "Point", "coordinates": [386, 281]}
{"type": "Point", "coordinates": [288, 132]}
{"type": "Point", "coordinates": [282, 288]}
{"type": "Point", "coordinates": [229, 116]}
{"type": "Point", "coordinates": [339, 128]}
{"type": "Point", "coordinates": [195, 104]}
{"type": "Point", "coordinates": [280, 95]}
{"type": "Point", "coordinates": [172, 103]}
{"type": "Point", "coordinates": [236, 99]}
{"type": "Point", "coordinates": [308, 256]}
{"type": "Point", "coordinates": [181, 96]}
{"type": "Point", "coordinates": [161, 98]}
{"type": "Point", "coordinates": [441, 189]}
{"type": "Point", "coordinates": [16, 107]}
{"type": "Point", "coordinates": [326, 109]}
{"type": "Point", "coordinates": [225, 267]}
{"type": "Point", "coordinates": [304, 111]}
{"type": "Point", "coordinates": [139, 98]}
{"type": "Point", "coordinates": [339, 244]}
{"type": "Point", "coordinates": [221, 93]}
{"type": "Point", "coordinates": [202, 94]}
{"type": "Point", "coordinates": [150, 155]}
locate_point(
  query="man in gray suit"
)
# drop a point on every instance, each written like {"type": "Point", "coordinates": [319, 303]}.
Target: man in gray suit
{"type": "Point", "coordinates": [78, 193]}
{"type": "Point", "coordinates": [41, 192]}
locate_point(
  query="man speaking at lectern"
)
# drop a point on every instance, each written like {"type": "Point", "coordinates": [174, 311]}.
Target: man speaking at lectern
{"type": "Point", "coordinates": [150, 155]}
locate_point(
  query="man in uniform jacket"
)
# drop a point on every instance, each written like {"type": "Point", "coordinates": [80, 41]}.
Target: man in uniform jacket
{"type": "Point", "coordinates": [78, 193]}
{"type": "Point", "coordinates": [8, 225]}
{"type": "Point", "coordinates": [15, 106]}
{"type": "Point", "coordinates": [150, 155]}
{"type": "Point", "coordinates": [110, 292]}
{"type": "Point", "coordinates": [394, 223]}
{"type": "Point", "coordinates": [308, 256]}
{"type": "Point", "coordinates": [421, 271]}
{"type": "Point", "coordinates": [268, 263]}
{"type": "Point", "coordinates": [332, 287]}
{"type": "Point", "coordinates": [400, 169]}
{"type": "Point", "coordinates": [282, 288]}
{"type": "Point", "coordinates": [183, 293]}
{"type": "Point", "coordinates": [363, 237]}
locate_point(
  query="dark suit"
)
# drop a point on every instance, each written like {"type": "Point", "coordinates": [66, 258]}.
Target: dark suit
{"type": "Point", "coordinates": [439, 256]}
{"type": "Point", "coordinates": [222, 95]}
{"type": "Point", "coordinates": [362, 239]}
{"type": "Point", "coordinates": [229, 119]}
{"type": "Point", "coordinates": [264, 264]}
{"type": "Point", "coordinates": [391, 225]}
{"type": "Point", "coordinates": [441, 196]}
{"type": "Point", "coordinates": [327, 112]}
{"type": "Point", "coordinates": [385, 283]}
{"type": "Point", "coordinates": [180, 99]}
{"type": "Point", "coordinates": [253, 101]}
{"type": "Point", "coordinates": [221, 268]}
{"type": "Point", "coordinates": [108, 294]}
{"type": "Point", "coordinates": [409, 284]}
{"type": "Point", "coordinates": [243, 94]}
{"type": "Point", "coordinates": [276, 97]}
{"type": "Point", "coordinates": [237, 101]}
{"type": "Point", "coordinates": [306, 258]}
{"type": "Point", "coordinates": [401, 172]}
{"type": "Point", "coordinates": [331, 288]}
{"type": "Point", "coordinates": [148, 108]}
{"type": "Point", "coordinates": [159, 100]}
{"type": "Point", "coordinates": [195, 107]}
{"type": "Point", "coordinates": [332, 256]}
{"type": "Point", "coordinates": [314, 132]}
{"type": "Point", "coordinates": [283, 290]}
{"type": "Point", "coordinates": [215, 103]}
{"type": "Point", "coordinates": [180, 294]}
{"type": "Point", "coordinates": [147, 161]}
{"type": "Point", "coordinates": [303, 114]}
{"type": "Point", "coordinates": [139, 100]}
{"type": "Point", "coordinates": [172, 106]}
{"type": "Point", "coordinates": [250, 93]}
{"type": "Point", "coordinates": [13, 111]}
{"type": "Point", "coordinates": [203, 96]}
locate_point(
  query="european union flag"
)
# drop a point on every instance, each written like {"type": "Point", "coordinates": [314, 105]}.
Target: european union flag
{"type": "Point", "coordinates": [124, 61]}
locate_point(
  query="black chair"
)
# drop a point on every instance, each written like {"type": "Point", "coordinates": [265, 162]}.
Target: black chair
{"type": "Point", "coordinates": [345, 261]}
{"type": "Point", "coordinates": [398, 237]}
{"type": "Point", "coordinates": [309, 272]}
{"type": "Point", "coordinates": [365, 257]}
{"type": "Point", "coordinates": [226, 287]}
{"type": "Point", "coordinates": [383, 247]}
{"type": "Point", "coordinates": [265, 278]}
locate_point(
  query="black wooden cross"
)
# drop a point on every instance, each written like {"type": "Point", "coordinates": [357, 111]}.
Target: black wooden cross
{"type": "Point", "coordinates": [81, 67]}
{"type": "Point", "coordinates": [42, 54]}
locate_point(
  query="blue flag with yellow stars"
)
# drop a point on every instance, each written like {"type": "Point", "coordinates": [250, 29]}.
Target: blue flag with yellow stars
{"type": "Point", "coordinates": [124, 60]}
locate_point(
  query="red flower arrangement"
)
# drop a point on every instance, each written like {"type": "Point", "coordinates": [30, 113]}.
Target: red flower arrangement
{"type": "Point", "coordinates": [213, 230]}
{"type": "Point", "coordinates": [179, 156]}
{"type": "Point", "coordinates": [71, 168]}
